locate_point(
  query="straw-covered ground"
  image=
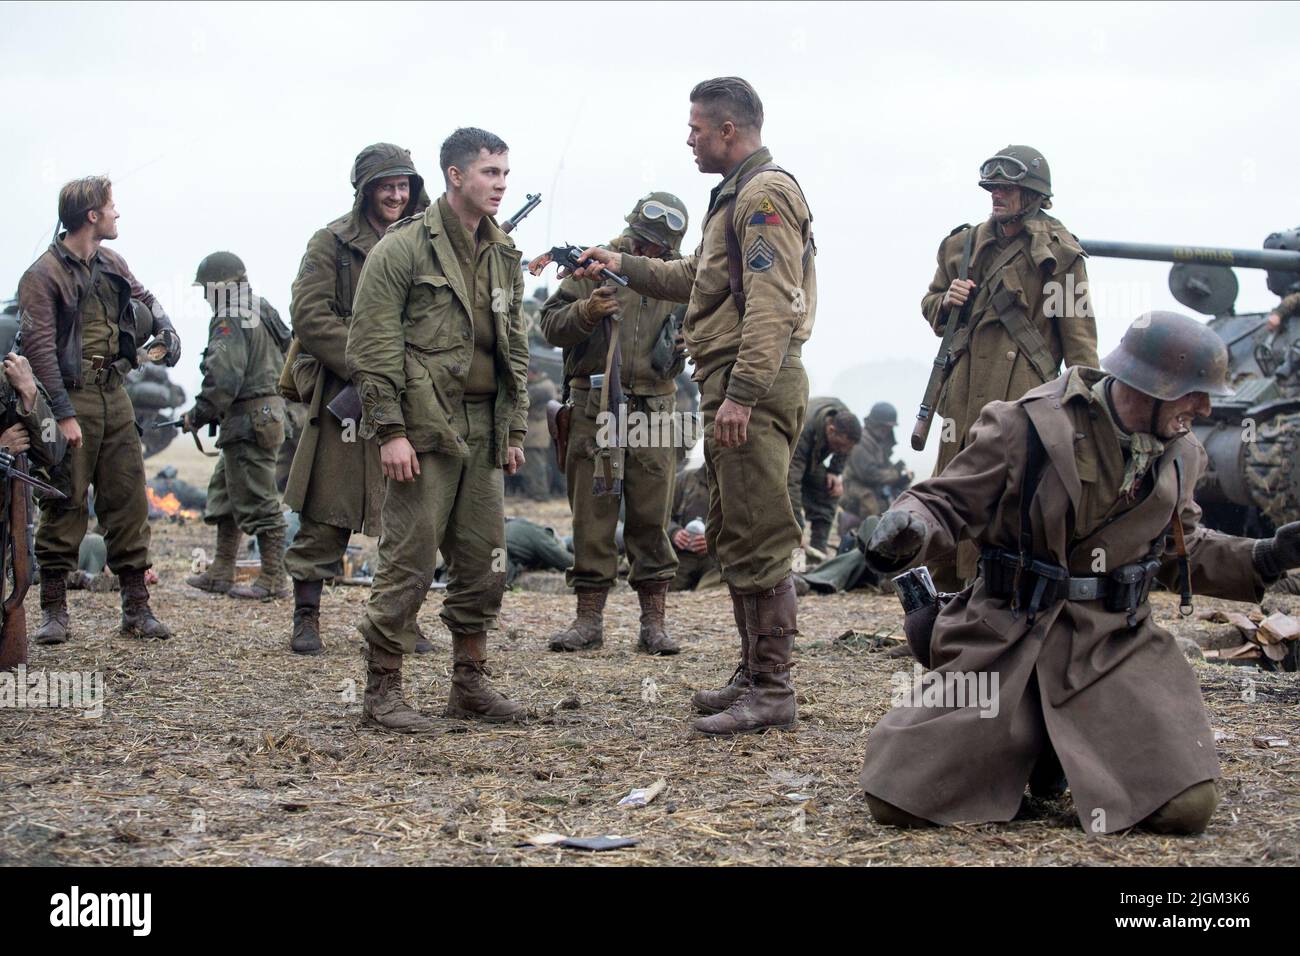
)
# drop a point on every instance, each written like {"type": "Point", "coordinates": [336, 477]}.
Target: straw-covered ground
{"type": "Point", "coordinates": [221, 747]}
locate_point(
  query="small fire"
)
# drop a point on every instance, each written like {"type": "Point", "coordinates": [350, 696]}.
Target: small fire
{"type": "Point", "coordinates": [167, 506]}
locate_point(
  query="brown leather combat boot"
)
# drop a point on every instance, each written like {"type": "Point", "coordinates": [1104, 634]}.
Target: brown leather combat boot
{"type": "Point", "coordinates": [137, 617]}
{"type": "Point", "coordinates": [306, 618]}
{"type": "Point", "coordinates": [472, 697]}
{"type": "Point", "coordinates": [716, 701]}
{"type": "Point", "coordinates": [220, 574]}
{"type": "Point", "coordinates": [587, 632]}
{"type": "Point", "coordinates": [422, 644]}
{"type": "Point", "coordinates": [54, 627]}
{"type": "Point", "coordinates": [770, 701]}
{"type": "Point", "coordinates": [654, 639]}
{"type": "Point", "coordinates": [384, 703]}
{"type": "Point", "coordinates": [270, 582]}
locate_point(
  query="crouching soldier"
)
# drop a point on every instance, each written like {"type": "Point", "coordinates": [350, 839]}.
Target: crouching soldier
{"type": "Point", "coordinates": [1090, 478]}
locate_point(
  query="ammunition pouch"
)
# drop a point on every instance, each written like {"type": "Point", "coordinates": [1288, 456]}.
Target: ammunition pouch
{"type": "Point", "coordinates": [1034, 585]}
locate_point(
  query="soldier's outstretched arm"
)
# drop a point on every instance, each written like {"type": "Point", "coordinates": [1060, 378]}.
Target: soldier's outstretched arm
{"type": "Point", "coordinates": [314, 308]}
{"type": "Point", "coordinates": [670, 280]}
{"type": "Point", "coordinates": [1078, 328]}
{"type": "Point", "coordinates": [962, 500]}
{"type": "Point", "coordinates": [1222, 565]}
{"type": "Point", "coordinates": [376, 344]}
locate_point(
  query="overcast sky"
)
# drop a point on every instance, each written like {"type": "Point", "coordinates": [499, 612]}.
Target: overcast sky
{"type": "Point", "coordinates": [233, 126]}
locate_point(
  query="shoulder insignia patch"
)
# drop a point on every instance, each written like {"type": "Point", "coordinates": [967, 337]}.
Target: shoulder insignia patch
{"type": "Point", "coordinates": [308, 267]}
{"type": "Point", "coordinates": [760, 255]}
{"type": "Point", "coordinates": [766, 215]}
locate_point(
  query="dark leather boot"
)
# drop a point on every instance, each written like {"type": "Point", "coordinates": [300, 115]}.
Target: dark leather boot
{"type": "Point", "coordinates": [770, 701]}
{"type": "Point", "coordinates": [422, 644]}
{"type": "Point", "coordinates": [819, 537]}
{"type": "Point", "coordinates": [54, 610]}
{"type": "Point", "coordinates": [137, 617]}
{"type": "Point", "coordinates": [384, 702]}
{"type": "Point", "coordinates": [472, 697]}
{"type": "Point", "coordinates": [220, 574]}
{"type": "Point", "coordinates": [716, 701]}
{"type": "Point", "coordinates": [654, 639]}
{"type": "Point", "coordinates": [587, 632]}
{"type": "Point", "coordinates": [270, 582]}
{"type": "Point", "coordinates": [306, 618]}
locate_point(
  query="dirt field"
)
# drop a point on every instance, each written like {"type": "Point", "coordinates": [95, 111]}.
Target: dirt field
{"type": "Point", "coordinates": [221, 747]}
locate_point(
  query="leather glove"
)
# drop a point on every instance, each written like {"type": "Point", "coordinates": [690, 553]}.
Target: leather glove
{"type": "Point", "coordinates": [173, 342]}
{"type": "Point", "coordinates": [897, 539]}
{"type": "Point", "coordinates": [1275, 556]}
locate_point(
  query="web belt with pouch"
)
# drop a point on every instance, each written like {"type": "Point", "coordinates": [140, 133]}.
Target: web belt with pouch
{"type": "Point", "coordinates": [106, 373]}
{"type": "Point", "coordinates": [1031, 584]}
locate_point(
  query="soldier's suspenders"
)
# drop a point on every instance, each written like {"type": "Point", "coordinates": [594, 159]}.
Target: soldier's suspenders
{"type": "Point", "coordinates": [735, 275]}
{"type": "Point", "coordinates": [343, 281]}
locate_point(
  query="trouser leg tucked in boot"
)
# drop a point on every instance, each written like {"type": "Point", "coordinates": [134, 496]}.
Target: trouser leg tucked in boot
{"type": "Point", "coordinates": [716, 701]}
{"type": "Point", "coordinates": [54, 610]}
{"type": "Point", "coordinates": [587, 632]}
{"type": "Point", "coordinates": [471, 695]}
{"type": "Point", "coordinates": [219, 576]}
{"type": "Point", "coordinates": [654, 639]}
{"type": "Point", "coordinates": [306, 618]}
{"type": "Point", "coordinates": [820, 535]}
{"type": "Point", "coordinates": [270, 582]}
{"type": "Point", "coordinates": [137, 617]}
{"type": "Point", "coordinates": [384, 702]}
{"type": "Point", "coordinates": [422, 643]}
{"type": "Point", "coordinates": [770, 618]}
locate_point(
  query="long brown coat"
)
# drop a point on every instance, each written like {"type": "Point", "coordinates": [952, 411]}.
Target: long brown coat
{"type": "Point", "coordinates": [332, 480]}
{"type": "Point", "coordinates": [992, 367]}
{"type": "Point", "coordinates": [1121, 706]}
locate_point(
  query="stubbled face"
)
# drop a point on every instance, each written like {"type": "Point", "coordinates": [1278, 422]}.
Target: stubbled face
{"type": "Point", "coordinates": [1175, 418]}
{"type": "Point", "coordinates": [389, 197]}
{"type": "Point", "coordinates": [706, 142]}
{"type": "Point", "coordinates": [482, 184]}
{"type": "Point", "coordinates": [1007, 202]}
{"type": "Point", "coordinates": [104, 220]}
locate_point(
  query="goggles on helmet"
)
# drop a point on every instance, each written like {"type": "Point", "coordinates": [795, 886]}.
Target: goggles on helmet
{"type": "Point", "coordinates": [1005, 167]}
{"type": "Point", "coordinates": [675, 218]}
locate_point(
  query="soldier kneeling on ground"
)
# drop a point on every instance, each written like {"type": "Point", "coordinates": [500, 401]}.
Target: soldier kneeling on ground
{"type": "Point", "coordinates": [1090, 478]}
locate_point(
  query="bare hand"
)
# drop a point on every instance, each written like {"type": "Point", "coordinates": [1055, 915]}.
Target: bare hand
{"type": "Point", "coordinates": [70, 429]}
{"type": "Point", "coordinates": [15, 439]}
{"type": "Point", "coordinates": [595, 260]}
{"type": "Point", "coordinates": [187, 422]}
{"type": "Point", "coordinates": [958, 293]}
{"type": "Point", "coordinates": [731, 425]}
{"type": "Point", "coordinates": [699, 544]}
{"type": "Point", "coordinates": [19, 373]}
{"type": "Point", "coordinates": [1274, 321]}
{"type": "Point", "coordinates": [682, 539]}
{"type": "Point", "coordinates": [514, 460]}
{"type": "Point", "coordinates": [835, 485]}
{"type": "Point", "coordinates": [399, 459]}
{"type": "Point", "coordinates": [601, 303]}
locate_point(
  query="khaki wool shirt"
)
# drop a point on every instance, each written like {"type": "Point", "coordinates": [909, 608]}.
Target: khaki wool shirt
{"type": "Point", "coordinates": [470, 253]}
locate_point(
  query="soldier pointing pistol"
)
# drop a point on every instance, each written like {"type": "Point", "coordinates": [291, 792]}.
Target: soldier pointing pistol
{"type": "Point", "coordinates": [1078, 496]}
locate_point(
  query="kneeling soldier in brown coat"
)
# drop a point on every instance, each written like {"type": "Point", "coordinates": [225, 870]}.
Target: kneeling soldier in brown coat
{"type": "Point", "coordinates": [1090, 478]}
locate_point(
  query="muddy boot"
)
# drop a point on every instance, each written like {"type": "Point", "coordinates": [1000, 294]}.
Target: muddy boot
{"type": "Point", "coordinates": [654, 639]}
{"type": "Point", "coordinates": [472, 697]}
{"type": "Point", "coordinates": [587, 632]}
{"type": "Point", "coordinates": [422, 644]}
{"type": "Point", "coordinates": [54, 610]}
{"type": "Point", "coordinates": [770, 702]}
{"type": "Point", "coordinates": [384, 704]}
{"type": "Point", "coordinates": [306, 618]}
{"type": "Point", "coordinates": [270, 582]}
{"type": "Point", "coordinates": [220, 574]}
{"type": "Point", "coordinates": [716, 701]}
{"type": "Point", "coordinates": [137, 618]}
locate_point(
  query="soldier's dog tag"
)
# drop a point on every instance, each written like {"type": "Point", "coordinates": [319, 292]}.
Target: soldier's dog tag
{"type": "Point", "coordinates": [760, 255]}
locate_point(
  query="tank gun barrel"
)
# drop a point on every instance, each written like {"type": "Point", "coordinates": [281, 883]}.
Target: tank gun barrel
{"type": "Point", "coordinates": [1279, 260]}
